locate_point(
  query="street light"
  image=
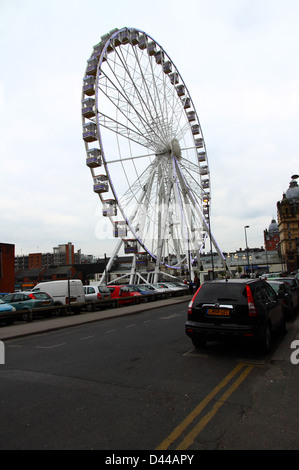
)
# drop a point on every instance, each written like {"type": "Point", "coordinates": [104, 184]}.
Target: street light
{"type": "Point", "coordinates": [246, 226]}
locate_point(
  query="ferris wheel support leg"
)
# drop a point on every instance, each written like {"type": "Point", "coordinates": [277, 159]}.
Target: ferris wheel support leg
{"type": "Point", "coordinates": [133, 270]}
{"type": "Point", "coordinates": [111, 260]}
{"type": "Point", "coordinates": [156, 275]}
{"type": "Point", "coordinates": [220, 254]}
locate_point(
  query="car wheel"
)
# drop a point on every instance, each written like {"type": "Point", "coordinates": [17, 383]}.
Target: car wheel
{"type": "Point", "coordinates": [199, 342]}
{"type": "Point", "coordinates": [266, 340]}
{"type": "Point", "coordinates": [28, 316]}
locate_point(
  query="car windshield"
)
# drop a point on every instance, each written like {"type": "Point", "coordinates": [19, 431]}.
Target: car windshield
{"type": "Point", "coordinates": [221, 292]}
{"type": "Point", "coordinates": [1, 301]}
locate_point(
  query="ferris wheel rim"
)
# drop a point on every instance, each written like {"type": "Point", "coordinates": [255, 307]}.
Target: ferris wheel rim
{"type": "Point", "coordinates": [104, 56]}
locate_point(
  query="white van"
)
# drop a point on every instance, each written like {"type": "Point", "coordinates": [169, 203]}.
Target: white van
{"type": "Point", "coordinates": [60, 291]}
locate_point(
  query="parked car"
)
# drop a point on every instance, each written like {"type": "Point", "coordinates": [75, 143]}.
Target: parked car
{"type": "Point", "coordinates": [166, 289]}
{"type": "Point", "coordinates": [28, 301]}
{"type": "Point", "coordinates": [287, 298]}
{"type": "Point", "coordinates": [158, 291]}
{"type": "Point", "coordinates": [5, 311]}
{"type": "Point", "coordinates": [2, 294]}
{"type": "Point", "coordinates": [123, 293]}
{"type": "Point", "coordinates": [142, 290]}
{"type": "Point", "coordinates": [293, 283]}
{"type": "Point", "coordinates": [241, 308]}
{"type": "Point", "coordinates": [269, 275]}
{"type": "Point", "coordinates": [95, 294]}
{"type": "Point", "coordinates": [64, 292]}
{"type": "Point", "coordinates": [174, 288]}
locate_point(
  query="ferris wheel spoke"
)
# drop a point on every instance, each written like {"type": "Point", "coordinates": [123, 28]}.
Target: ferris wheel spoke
{"type": "Point", "coordinates": [132, 158]}
{"type": "Point", "coordinates": [135, 103]}
{"type": "Point", "coordinates": [159, 100]}
{"type": "Point", "coordinates": [117, 126]}
{"type": "Point", "coordinates": [124, 131]}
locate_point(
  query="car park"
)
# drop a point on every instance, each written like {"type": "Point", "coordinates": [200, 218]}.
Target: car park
{"type": "Point", "coordinates": [122, 294]}
{"type": "Point", "coordinates": [235, 308]}
{"type": "Point", "coordinates": [28, 301]}
{"type": "Point", "coordinates": [97, 296]}
{"type": "Point", "coordinates": [287, 297]}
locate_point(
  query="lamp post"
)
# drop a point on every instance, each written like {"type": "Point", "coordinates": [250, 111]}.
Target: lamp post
{"type": "Point", "coordinates": [206, 201]}
{"type": "Point", "coordinates": [246, 226]}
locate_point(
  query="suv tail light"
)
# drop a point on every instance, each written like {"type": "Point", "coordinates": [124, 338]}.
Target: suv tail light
{"type": "Point", "coordinates": [191, 301]}
{"type": "Point", "coordinates": [251, 305]}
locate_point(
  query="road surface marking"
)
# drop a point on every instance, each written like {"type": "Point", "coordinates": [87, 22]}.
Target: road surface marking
{"type": "Point", "coordinates": [50, 347]}
{"type": "Point", "coordinates": [189, 439]}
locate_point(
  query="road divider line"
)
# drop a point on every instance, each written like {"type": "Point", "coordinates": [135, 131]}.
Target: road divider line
{"type": "Point", "coordinates": [198, 409]}
{"type": "Point", "coordinates": [189, 439]}
{"type": "Point", "coordinates": [50, 347]}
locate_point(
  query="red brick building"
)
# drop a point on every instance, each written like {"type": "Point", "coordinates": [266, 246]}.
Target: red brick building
{"type": "Point", "coordinates": [271, 237]}
{"type": "Point", "coordinates": [7, 267]}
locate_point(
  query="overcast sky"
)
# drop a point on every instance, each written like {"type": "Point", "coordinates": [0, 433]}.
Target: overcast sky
{"type": "Point", "coordinates": [239, 60]}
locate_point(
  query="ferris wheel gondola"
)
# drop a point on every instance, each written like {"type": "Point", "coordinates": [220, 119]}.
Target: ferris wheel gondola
{"type": "Point", "coordinates": [145, 148]}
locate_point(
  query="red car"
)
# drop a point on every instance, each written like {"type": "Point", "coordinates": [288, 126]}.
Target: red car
{"type": "Point", "coordinates": [124, 294]}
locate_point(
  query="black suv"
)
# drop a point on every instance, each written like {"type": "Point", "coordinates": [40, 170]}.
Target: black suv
{"type": "Point", "coordinates": [244, 308]}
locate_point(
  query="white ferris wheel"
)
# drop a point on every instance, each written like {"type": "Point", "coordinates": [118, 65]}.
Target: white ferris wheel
{"type": "Point", "coordinates": [146, 152]}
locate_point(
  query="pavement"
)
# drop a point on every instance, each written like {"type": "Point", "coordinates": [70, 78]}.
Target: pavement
{"type": "Point", "coordinates": [57, 323]}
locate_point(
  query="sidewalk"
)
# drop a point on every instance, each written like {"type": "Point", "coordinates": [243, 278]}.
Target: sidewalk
{"type": "Point", "coordinates": [57, 323]}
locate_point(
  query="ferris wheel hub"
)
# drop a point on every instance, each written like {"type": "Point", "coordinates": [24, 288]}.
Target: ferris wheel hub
{"type": "Point", "coordinates": [176, 148]}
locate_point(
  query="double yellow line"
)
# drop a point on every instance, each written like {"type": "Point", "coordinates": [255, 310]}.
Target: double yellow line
{"type": "Point", "coordinates": [190, 437]}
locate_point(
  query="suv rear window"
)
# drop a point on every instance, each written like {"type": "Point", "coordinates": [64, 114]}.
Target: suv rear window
{"type": "Point", "coordinates": [221, 292]}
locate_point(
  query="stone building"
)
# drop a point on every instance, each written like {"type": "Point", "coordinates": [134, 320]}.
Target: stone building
{"type": "Point", "coordinates": [288, 223]}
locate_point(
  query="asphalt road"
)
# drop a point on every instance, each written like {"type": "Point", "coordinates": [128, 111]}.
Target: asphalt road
{"type": "Point", "coordinates": [136, 383]}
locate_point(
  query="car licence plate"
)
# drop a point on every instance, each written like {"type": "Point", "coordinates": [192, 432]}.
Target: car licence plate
{"type": "Point", "coordinates": [223, 312]}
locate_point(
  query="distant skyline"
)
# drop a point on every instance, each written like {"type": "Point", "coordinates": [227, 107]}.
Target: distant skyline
{"type": "Point", "coordinates": [239, 60]}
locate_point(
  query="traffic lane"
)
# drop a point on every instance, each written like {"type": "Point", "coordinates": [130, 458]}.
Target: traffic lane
{"type": "Point", "coordinates": [125, 383]}
{"type": "Point", "coordinates": [62, 384]}
{"type": "Point", "coordinates": [152, 341]}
